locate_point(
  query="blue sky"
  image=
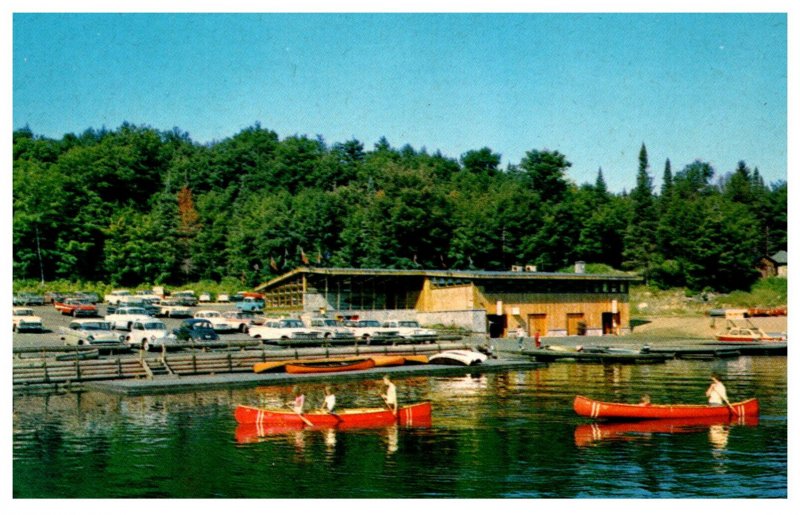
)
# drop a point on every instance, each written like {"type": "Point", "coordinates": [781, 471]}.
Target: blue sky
{"type": "Point", "coordinates": [593, 86]}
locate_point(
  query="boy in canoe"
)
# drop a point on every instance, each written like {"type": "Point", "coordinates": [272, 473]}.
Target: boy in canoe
{"type": "Point", "coordinates": [329, 403]}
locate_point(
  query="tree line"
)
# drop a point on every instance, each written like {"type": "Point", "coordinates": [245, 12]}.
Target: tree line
{"type": "Point", "coordinates": [137, 205]}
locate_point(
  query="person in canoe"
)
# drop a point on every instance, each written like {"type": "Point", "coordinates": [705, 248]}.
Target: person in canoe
{"type": "Point", "coordinates": [644, 400]}
{"type": "Point", "coordinates": [716, 393]}
{"type": "Point", "coordinates": [390, 396]}
{"type": "Point", "coordinates": [299, 400]}
{"type": "Point", "coordinates": [329, 402]}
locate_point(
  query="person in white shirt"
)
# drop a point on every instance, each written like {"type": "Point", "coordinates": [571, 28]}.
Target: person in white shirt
{"type": "Point", "coordinates": [716, 393]}
{"type": "Point", "coordinates": [390, 397]}
{"type": "Point", "coordinates": [330, 400]}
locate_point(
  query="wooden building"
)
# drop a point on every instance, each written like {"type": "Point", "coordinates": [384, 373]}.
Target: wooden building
{"type": "Point", "coordinates": [776, 265]}
{"type": "Point", "coordinates": [554, 304]}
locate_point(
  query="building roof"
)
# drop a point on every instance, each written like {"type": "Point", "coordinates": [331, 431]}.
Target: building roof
{"type": "Point", "coordinates": [780, 257]}
{"type": "Point", "coordinates": [474, 275]}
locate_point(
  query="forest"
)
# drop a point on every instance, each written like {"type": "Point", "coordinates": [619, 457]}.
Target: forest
{"type": "Point", "coordinates": [137, 205]}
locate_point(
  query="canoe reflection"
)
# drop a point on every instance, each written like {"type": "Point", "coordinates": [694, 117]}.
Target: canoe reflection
{"type": "Point", "coordinates": [718, 428]}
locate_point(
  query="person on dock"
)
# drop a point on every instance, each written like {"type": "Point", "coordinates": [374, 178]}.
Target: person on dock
{"type": "Point", "coordinates": [716, 392]}
{"type": "Point", "coordinates": [329, 403]}
{"type": "Point", "coordinates": [390, 396]}
{"type": "Point", "coordinates": [299, 401]}
{"type": "Point", "coordinates": [521, 334]}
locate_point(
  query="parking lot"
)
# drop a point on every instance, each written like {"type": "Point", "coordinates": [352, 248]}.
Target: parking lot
{"type": "Point", "coordinates": [53, 321]}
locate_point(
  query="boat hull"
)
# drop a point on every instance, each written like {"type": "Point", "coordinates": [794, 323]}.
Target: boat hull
{"type": "Point", "coordinates": [598, 409]}
{"type": "Point", "coordinates": [328, 367]}
{"type": "Point", "coordinates": [413, 414]}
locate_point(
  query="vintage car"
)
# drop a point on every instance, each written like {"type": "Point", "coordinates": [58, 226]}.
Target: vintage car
{"type": "Point", "coordinates": [123, 318]}
{"type": "Point", "coordinates": [367, 329]}
{"type": "Point", "coordinates": [25, 320]}
{"type": "Point", "coordinates": [195, 329]}
{"type": "Point", "coordinates": [146, 331]}
{"type": "Point", "coordinates": [147, 296]}
{"type": "Point", "coordinates": [223, 297]}
{"type": "Point", "coordinates": [184, 298]}
{"type": "Point", "coordinates": [87, 296]}
{"type": "Point", "coordinates": [218, 322]}
{"type": "Point", "coordinates": [171, 308]}
{"type": "Point", "coordinates": [28, 299]}
{"type": "Point", "coordinates": [242, 320]}
{"type": "Point", "coordinates": [411, 330]}
{"type": "Point", "coordinates": [331, 328]}
{"type": "Point", "coordinates": [117, 296]}
{"type": "Point", "coordinates": [76, 307]}
{"type": "Point", "coordinates": [251, 305]}
{"type": "Point", "coordinates": [204, 297]}
{"type": "Point", "coordinates": [282, 329]}
{"type": "Point", "coordinates": [151, 309]}
{"type": "Point", "coordinates": [92, 331]}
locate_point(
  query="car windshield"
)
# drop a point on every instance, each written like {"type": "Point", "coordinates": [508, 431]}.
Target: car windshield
{"type": "Point", "coordinates": [134, 311]}
{"type": "Point", "coordinates": [23, 312]}
{"type": "Point", "coordinates": [369, 323]}
{"type": "Point", "coordinates": [96, 326]}
{"type": "Point", "coordinates": [291, 323]}
{"type": "Point", "coordinates": [155, 325]}
{"type": "Point", "coordinates": [408, 324]}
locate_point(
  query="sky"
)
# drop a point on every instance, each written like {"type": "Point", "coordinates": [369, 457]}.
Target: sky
{"type": "Point", "coordinates": [593, 86]}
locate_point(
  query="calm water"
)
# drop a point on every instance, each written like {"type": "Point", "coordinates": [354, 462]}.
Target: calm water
{"type": "Point", "coordinates": [504, 435]}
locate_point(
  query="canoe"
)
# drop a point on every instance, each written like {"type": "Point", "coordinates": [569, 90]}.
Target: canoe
{"type": "Point", "coordinates": [322, 367]}
{"type": "Point", "coordinates": [599, 409]}
{"type": "Point", "coordinates": [586, 434]}
{"type": "Point", "coordinates": [412, 414]}
{"type": "Point", "coordinates": [457, 357]}
{"type": "Point", "coordinates": [388, 361]}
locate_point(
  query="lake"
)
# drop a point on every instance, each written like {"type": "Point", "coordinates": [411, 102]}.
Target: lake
{"type": "Point", "coordinates": [498, 435]}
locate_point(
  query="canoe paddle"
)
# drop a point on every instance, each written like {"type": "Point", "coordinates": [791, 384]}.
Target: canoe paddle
{"type": "Point", "coordinates": [304, 419]}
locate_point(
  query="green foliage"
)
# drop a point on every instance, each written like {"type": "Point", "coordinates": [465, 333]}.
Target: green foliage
{"type": "Point", "coordinates": [139, 206]}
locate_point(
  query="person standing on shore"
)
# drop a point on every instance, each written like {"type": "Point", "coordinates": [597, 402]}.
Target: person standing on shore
{"type": "Point", "coordinates": [716, 392]}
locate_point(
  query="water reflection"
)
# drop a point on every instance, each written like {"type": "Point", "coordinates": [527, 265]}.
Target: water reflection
{"type": "Point", "coordinates": [718, 429]}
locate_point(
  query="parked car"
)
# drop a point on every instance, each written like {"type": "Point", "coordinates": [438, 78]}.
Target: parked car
{"type": "Point", "coordinates": [195, 329]}
{"type": "Point", "coordinates": [124, 318]}
{"type": "Point", "coordinates": [241, 320]}
{"type": "Point", "coordinates": [236, 297]}
{"type": "Point", "coordinates": [93, 331]}
{"type": "Point", "coordinates": [204, 297]}
{"type": "Point", "coordinates": [118, 296]}
{"type": "Point", "coordinates": [331, 328]}
{"type": "Point", "coordinates": [365, 329]}
{"type": "Point", "coordinates": [184, 298]}
{"type": "Point", "coordinates": [251, 305]}
{"type": "Point", "coordinates": [29, 299]}
{"type": "Point", "coordinates": [283, 329]}
{"type": "Point", "coordinates": [134, 303]}
{"type": "Point", "coordinates": [172, 308]}
{"type": "Point", "coordinates": [223, 297]}
{"type": "Point", "coordinates": [51, 297]}
{"type": "Point", "coordinates": [410, 329]}
{"type": "Point", "coordinates": [90, 297]}
{"type": "Point", "coordinates": [146, 331]}
{"type": "Point", "coordinates": [147, 296]}
{"type": "Point", "coordinates": [76, 307]}
{"type": "Point", "coordinates": [218, 322]}
{"type": "Point", "coordinates": [25, 320]}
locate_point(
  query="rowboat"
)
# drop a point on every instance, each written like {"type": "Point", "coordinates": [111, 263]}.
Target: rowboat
{"type": "Point", "coordinates": [322, 367]}
{"type": "Point", "coordinates": [746, 332]}
{"type": "Point", "coordinates": [412, 414]}
{"type": "Point", "coordinates": [599, 409]}
{"type": "Point", "coordinates": [457, 357]}
{"type": "Point", "coordinates": [388, 361]}
{"type": "Point", "coordinates": [586, 434]}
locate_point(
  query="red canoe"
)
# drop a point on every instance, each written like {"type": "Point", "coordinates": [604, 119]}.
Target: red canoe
{"type": "Point", "coordinates": [598, 409]}
{"type": "Point", "coordinates": [413, 414]}
{"type": "Point", "coordinates": [321, 367]}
